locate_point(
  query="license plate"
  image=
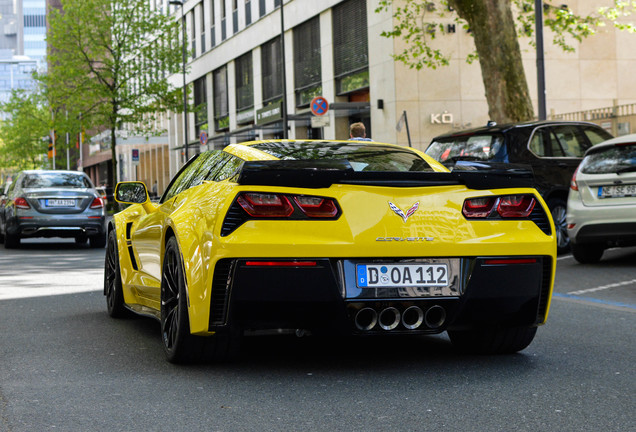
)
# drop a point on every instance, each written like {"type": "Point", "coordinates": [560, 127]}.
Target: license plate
{"type": "Point", "coordinates": [60, 203]}
{"type": "Point", "coordinates": [617, 191]}
{"type": "Point", "coordinates": [401, 275]}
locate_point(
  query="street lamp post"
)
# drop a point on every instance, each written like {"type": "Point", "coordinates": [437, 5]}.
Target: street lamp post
{"type": "Point", "coordinates": [183, 70]}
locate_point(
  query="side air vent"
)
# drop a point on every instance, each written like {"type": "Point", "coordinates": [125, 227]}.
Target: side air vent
{"type": "Point", "coordinates": [221, 292]}
{"type": "Point", "coordinates": [540, 218]}
{"type": "Point", "coordinates": [545, 289]}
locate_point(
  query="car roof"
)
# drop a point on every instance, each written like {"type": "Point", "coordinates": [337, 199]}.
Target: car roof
{"type": "Point", "coordinates": [625, 139]}
{"type": "Point", "coordinates": [502, 128]}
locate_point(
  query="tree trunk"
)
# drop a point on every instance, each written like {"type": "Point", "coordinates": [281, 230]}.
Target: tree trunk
{"type": "Point", "coordinates": [113, 155]}
{"type": "Point", "coordinates": [493, 30]}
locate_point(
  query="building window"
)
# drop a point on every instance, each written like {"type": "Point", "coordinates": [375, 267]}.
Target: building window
{"type": "Point", "coordinates": [261, 8]}
{"type": "Point", "coordinates": [271, 67]}
{"type": "Point", "coordinates": [248, 12]}
{"type": "Point", "coordinates": [221, 111]}
{"type": "Point", "coordinates": [202, 21]}
{"type": "Point", "coordinates": [193, 36]}
{"type": "Point", "coordinates": [244, 88]}
{"type": "Point", "coordinates": [350, 46]}
{"type": "Point", "coordinates": [307, 63]}
{"type": "Point", "coordinates": [234, 16]}
{"type": "Point", "coordinates": [212, 24]}
{"type": "Point", "coordinates": [223, 21]}
{"type": "Point", "coordinates": [200, 107]}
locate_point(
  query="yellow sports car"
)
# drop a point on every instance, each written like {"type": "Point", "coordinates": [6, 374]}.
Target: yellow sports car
{"type": "Point", "coordinates": [337, 237]}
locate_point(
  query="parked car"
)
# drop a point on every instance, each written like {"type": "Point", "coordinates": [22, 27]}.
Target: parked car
{"type": "Point", "coordinates": [46, 203]}
{"type": "Point", "coordinates": [602, 201]}
{"type": "Point", "coordinates": [552, 148]}
{"type": "Point", "coordinates": [334, 237]}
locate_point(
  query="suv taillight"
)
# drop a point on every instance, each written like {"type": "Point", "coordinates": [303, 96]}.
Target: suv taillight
{"type": "Point", "coordinates": [507, 206]}
{"type": "Point", "coordinates": [97, 203]}
{"type": "Point", "coordinates": [21, 203]}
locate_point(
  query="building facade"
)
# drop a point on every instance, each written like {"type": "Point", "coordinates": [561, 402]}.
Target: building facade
{"type": "Point", "coordinates": [334, 49]}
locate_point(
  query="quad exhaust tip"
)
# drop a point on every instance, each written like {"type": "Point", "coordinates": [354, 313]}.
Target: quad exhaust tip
{"type": "Point", "coordinates": [390, 318]}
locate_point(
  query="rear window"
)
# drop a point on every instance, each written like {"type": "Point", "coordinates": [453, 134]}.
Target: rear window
{"type": "Point", "coordinates": [59, 179]}
{"type": "Point", "coordinates": [616, 159]}
{"type": "Point", "coordinates": [468, 147]}
{"type": "Point", "coordinates": [361, 156]}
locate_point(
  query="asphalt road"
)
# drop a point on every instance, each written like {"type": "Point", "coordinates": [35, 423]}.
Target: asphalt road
{"type": "Point", "coordinates": [66, 366]}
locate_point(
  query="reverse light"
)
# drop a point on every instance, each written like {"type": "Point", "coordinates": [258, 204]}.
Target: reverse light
{"type": "Point", "coordinates": [97, 203]}
{"type": "Point", "coordinates": [21, 203]}
{"type": "Point", "coordinates": [265, 205]}
{"type": "Point", "coordinates": [515, 206]}
{"type": "Point", "coordinates": [478, 207]}
{"type": "Point", "coordinates": [314, 206]}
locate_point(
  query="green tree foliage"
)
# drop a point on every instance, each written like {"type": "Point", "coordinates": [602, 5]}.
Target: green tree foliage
{"type": "Point", "coordinates": [23, 134]}
{"type": "Point", "coordinates": [110, 61]}
{"type": "Point", "coordinates": [495, 26]}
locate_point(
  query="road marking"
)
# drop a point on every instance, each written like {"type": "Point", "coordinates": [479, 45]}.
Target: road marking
{"type": "Point", "coordinates": [612, 304]}
{"type": "Point", "coordinates": [603, 287]}
{"type": "Point", "coordinates": [564, 257]}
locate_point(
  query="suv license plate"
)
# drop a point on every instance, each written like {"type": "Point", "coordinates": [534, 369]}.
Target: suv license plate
{"type": "Point", "coordinates": [60, 203]}
{"type": "Point", "coordinates": [401, 275]}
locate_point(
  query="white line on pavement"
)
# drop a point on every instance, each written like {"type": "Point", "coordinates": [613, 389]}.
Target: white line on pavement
{"type": "Point", "coordinates": [603, 287]}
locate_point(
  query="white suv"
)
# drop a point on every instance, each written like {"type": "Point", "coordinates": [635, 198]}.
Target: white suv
{"type": "Point", "coordinates": [601, 211]}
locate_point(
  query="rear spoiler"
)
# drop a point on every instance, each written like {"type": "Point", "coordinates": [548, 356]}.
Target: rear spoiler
{"type": "Point", "coordinates": [324, 173]}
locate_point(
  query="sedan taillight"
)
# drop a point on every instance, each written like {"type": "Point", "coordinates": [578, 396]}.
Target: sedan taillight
{"type": "Point", "coordinates": [21, 203]}
{"type": "Point", "coordinates": [97, 203]}
{"type": "Point", "coordinates": [573, 185]}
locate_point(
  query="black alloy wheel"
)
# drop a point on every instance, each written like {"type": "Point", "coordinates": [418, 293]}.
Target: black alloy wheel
{"type": "Point", "coordinates": [11, 241]}
{"type": "Point", "coordinates": [180, 346]}
{"type": "Point", "coordinates": [97, 241]}
{"type": "Point", "coordinates": [558, 209]}
{"type": "Point", "coordinates": [112, 280]}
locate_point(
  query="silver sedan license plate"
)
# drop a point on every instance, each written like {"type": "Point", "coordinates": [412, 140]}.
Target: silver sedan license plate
{"type": "Point", "coordinates": [402, 275]}
{"type": "Point", "coordinates": [60, 203]}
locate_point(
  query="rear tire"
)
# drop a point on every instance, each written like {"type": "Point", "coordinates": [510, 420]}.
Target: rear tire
{"type": "Point", "coordinates": [98, 241]}
{"type": "Point", "coordinates": [558, 209]}
{"type": "Point", "coordinates": [587, 253]}
{"type": "Point", "coordinates": [11, 241]}
{"type": "Point", "coordinates": [81, 240]}
{"type": "Point", "coordinates": [507, 340]}
{"type": "Point", "coordinates": [112, 280]}
{"type": "Point", "coordinates": [180, 346]}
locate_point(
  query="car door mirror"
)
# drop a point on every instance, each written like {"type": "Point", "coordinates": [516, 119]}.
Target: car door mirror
{"type": "Point", "coordinates": [131, 193]}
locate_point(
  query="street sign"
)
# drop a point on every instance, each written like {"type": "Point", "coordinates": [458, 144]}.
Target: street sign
{"type": "Point", "coordinates": [203, 138]}
{"type": "Point", "coordinates": [319, 106]}
{"type": "Point", "coordinates": [318, 122]}
{"type": "Point", "coordinates": [135, 156]}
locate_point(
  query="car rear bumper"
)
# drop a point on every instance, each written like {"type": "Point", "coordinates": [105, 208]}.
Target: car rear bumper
{"type": "Point", "coordinates": [611, 234]}
{"type": "Point", "coordinates": [56, 227]}
{"type": "Point", "coordinates": [504, 291]}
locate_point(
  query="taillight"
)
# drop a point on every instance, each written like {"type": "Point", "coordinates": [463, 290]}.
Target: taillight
{"type": "Point", "coordinates": [318, 207]}
{"type": "Point", "coordinates": [21, 203]}
{"type": "Point", "coordinates": [265, 205]}
{"type": "Point", "coordinates": [478, 207]}
{"type": "Point", "coordinates": [573, 185]}
{"type": "Point", "coordinates": [97, 203]}
{"type": "Point", "coordinates": [507, 206]}
{"type": "Point", "coordinates": [516, 206]}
